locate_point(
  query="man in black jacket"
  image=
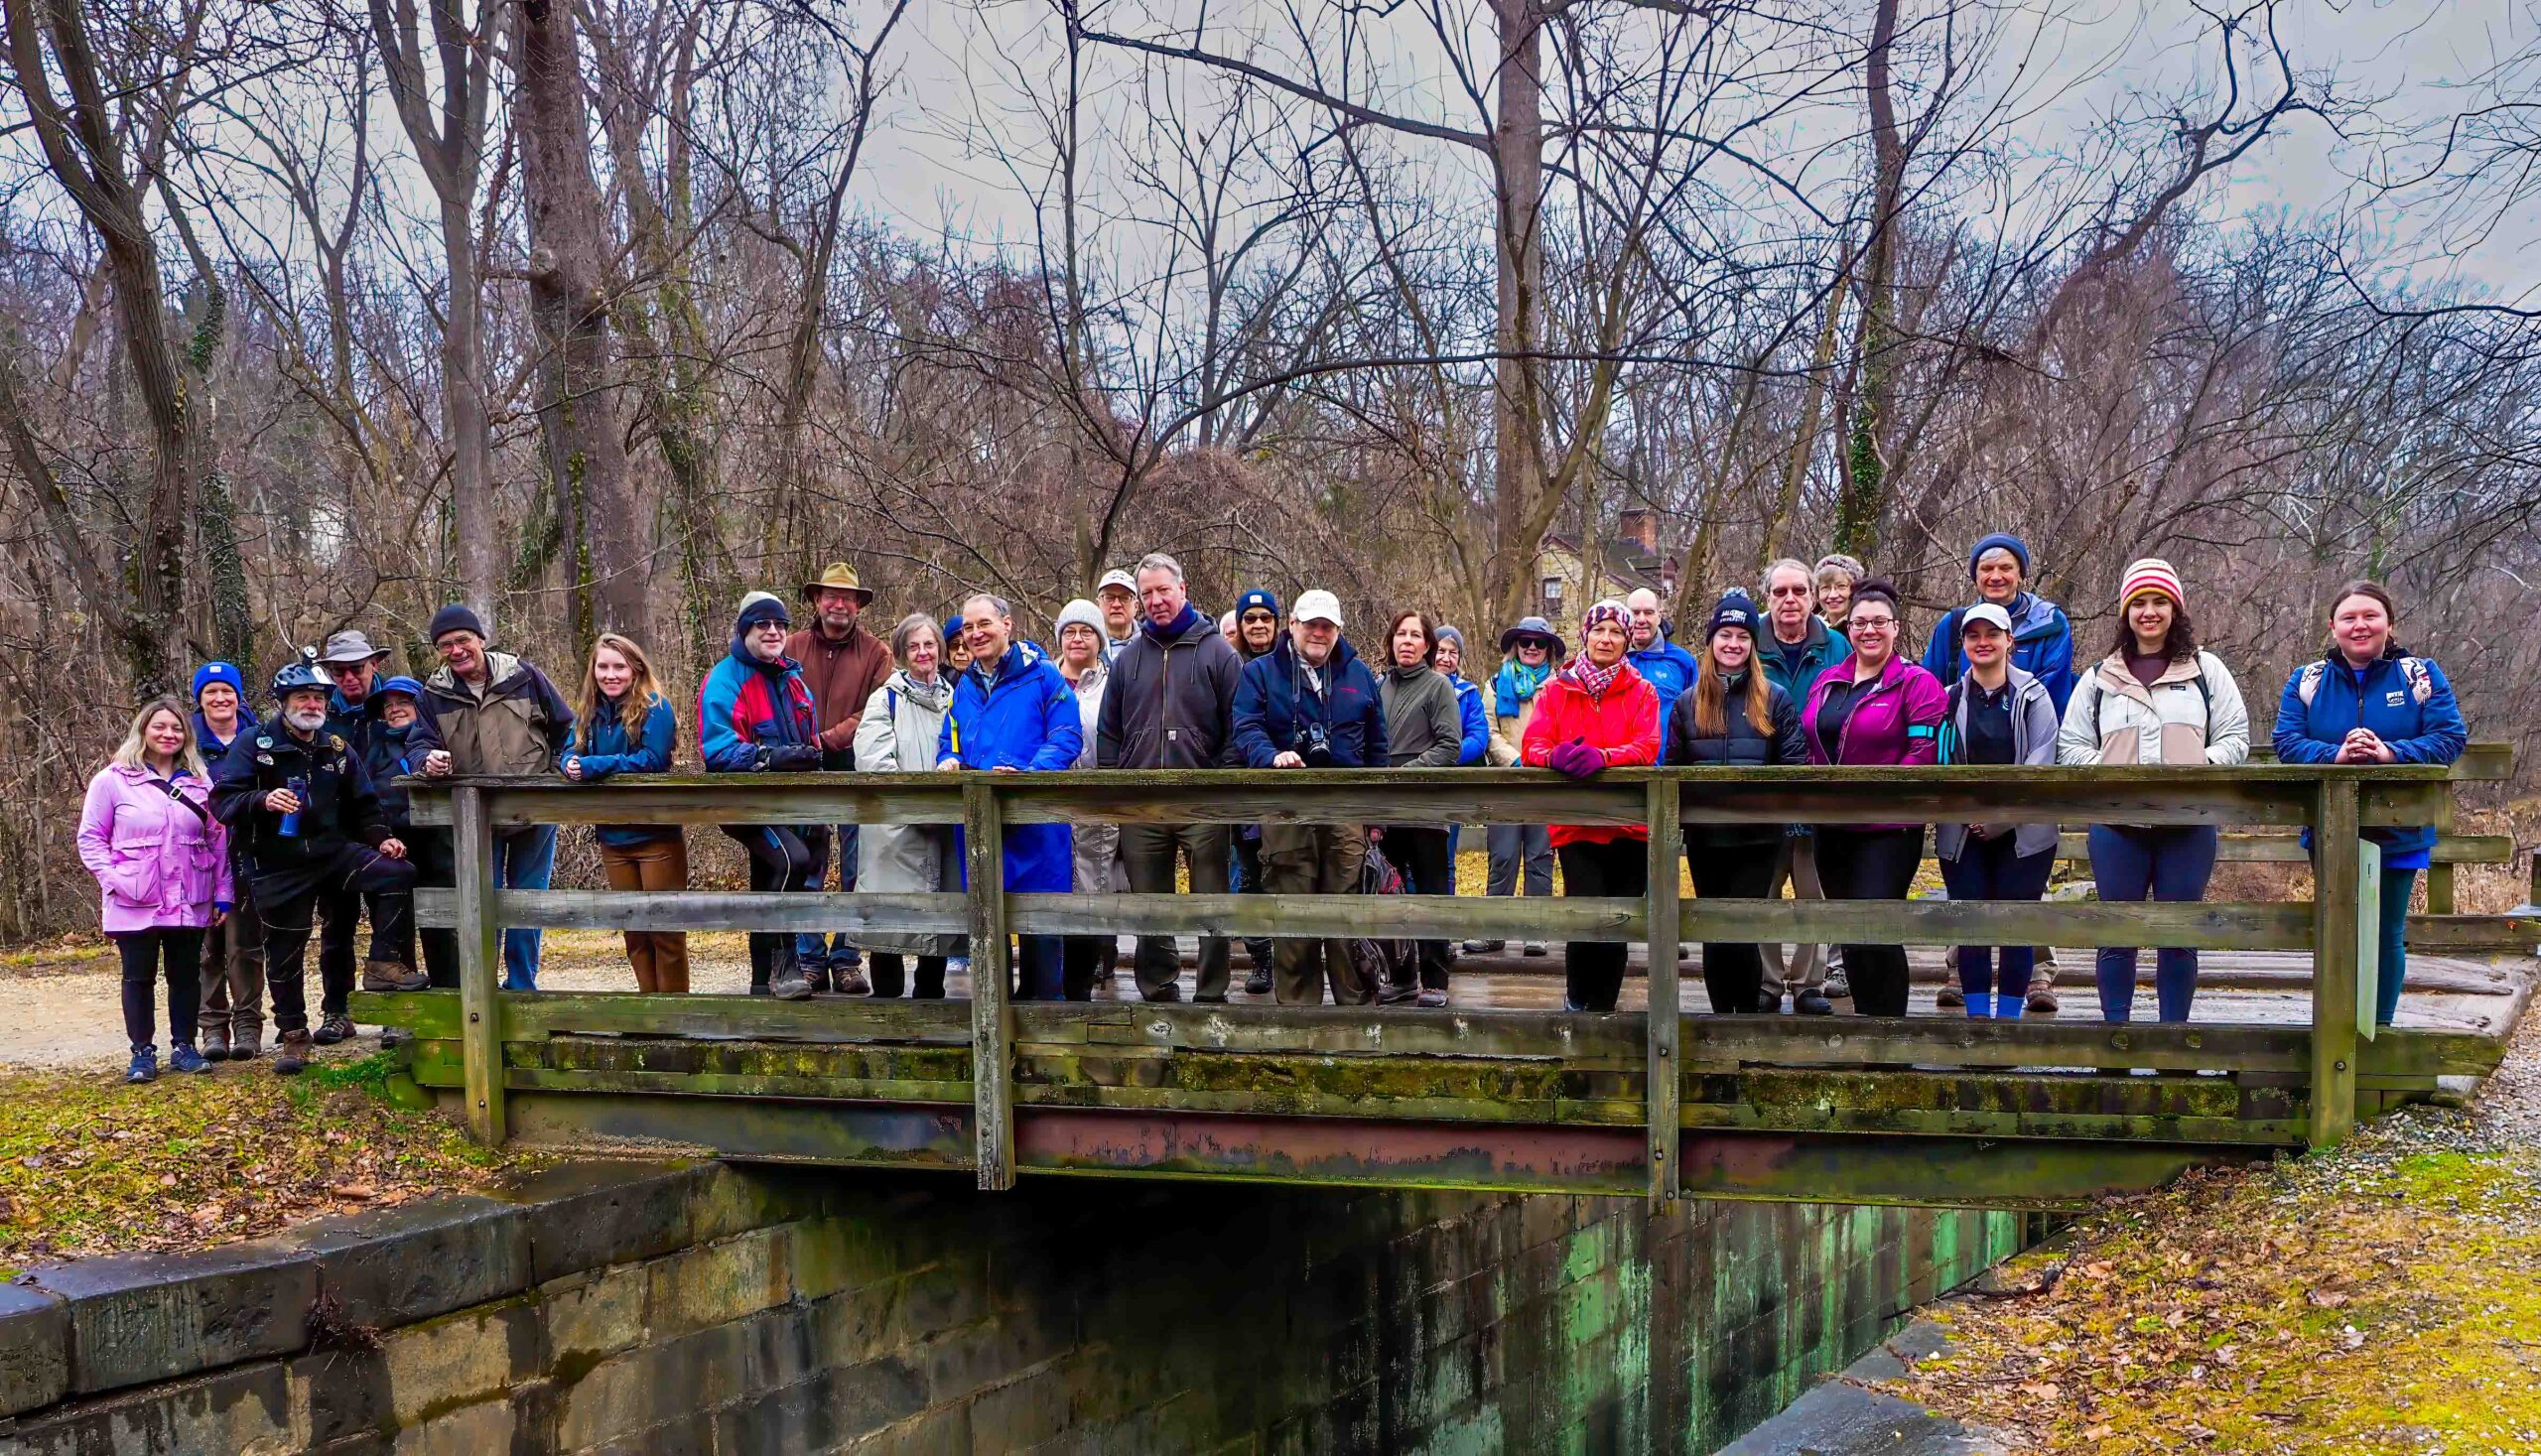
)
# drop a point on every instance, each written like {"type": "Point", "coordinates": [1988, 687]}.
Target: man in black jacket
{"type": "Point", "coordinates": [1170, 703]}
{"type": "Point", "coordinates": [299, 802]}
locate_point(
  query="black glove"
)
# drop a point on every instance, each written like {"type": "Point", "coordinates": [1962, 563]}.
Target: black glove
{"type": "Point", "coordinates": [789, 758]}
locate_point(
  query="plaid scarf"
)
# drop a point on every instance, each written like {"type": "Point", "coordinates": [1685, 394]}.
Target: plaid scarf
{"type": "Point", "coordinates": [1589, 678]}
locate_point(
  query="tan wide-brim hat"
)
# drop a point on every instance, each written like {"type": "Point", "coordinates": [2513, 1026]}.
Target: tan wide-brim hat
{"type": "Point", "coordinates": [838, 576]}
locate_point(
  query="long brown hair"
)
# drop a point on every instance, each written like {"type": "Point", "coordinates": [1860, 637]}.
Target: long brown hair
{"type": "Point", "coordinates": [1711, 697]}
{"type": "Point", "coordinates": [643, 690]}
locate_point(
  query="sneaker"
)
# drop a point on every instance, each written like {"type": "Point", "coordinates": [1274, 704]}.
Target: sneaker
{"type": "Point", "coordinates": [1813, 1003]}
{"type": "Point", "coordinates": [758, 989]}
{"type": "Point", "coordinates": [793, 985]}
{"type": "Point", "coordinates": [1838, 987]}
{"type": "Point", "coordinates": [1432, 996]}
{"type": "Point", "coordinates": [1537, 948]}
{"type": "Point", "coordinates": [215, 1042]}
{"type": "Point", "coordinates": [957, 966]}
{"type": "Point", "coordinates": [246, 1044]}
{"type": "Point", "coordinates": [184, 1058]}
{"type": "Point", "coordinates": [1259, 983]}
{"type": "Point", "coordinates": [2041, 999]}
{"type": "Point", "coordinates": [1950, 997]}
{"type": "Point", "coordinates": [145, 1065]}
{"type": "Point", "coordinates": [1391, 995]}
{"type": "Point", "coordinates": [1484, 947]}
{"type": "Point", "coordinates": [333, 1029]}
{"type": "Point", "coordinates": [850, 982]}
{"type": "Point", "coordinates": [291, 1053]}
{"type": "Point", "coordinates": [392, 975]}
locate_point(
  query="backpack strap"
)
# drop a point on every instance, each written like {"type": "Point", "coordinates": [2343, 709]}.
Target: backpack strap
{"type": "Point", "coordinates": [2421, 682]}
{"type": "Point", "coordinates": [2308, 683]}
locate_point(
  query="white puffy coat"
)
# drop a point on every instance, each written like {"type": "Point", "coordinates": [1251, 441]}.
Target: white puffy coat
{"type": "Point", "coordinates": [897, 734]}
{"type": "Point", "coordinates": [2113, 719]}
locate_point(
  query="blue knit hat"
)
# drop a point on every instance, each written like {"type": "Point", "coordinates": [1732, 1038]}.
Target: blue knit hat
{"type": "Point", "coordinates": [405, 685]}
{"type": "Point", "coordinates": [220, 672]}
{"type": "Point", "coordinates": [1255, 596]}
{"type": "Point", "coordinates": [1734, 609]}
{"type": "Point", "coordinates": [2004, 540]}
{"type": "Point", "coordinates": [761, 606]}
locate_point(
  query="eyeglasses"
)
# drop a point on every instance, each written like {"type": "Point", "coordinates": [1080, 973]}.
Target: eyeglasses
{"type": "Point", "coordinates": [1788, 592]}
{"type": "Point", "coordinates": [1874, 624]}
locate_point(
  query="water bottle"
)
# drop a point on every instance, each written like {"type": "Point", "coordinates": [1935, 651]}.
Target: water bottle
{"type": "Point", "coordinates": [291, 822]}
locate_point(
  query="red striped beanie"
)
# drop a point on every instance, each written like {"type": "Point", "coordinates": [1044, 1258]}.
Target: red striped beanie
{"type": "Point", "coordinates": [2151, 573]}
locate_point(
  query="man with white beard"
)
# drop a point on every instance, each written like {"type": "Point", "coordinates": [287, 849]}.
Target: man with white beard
{"type": "Point", "coordinates": [310, 832]}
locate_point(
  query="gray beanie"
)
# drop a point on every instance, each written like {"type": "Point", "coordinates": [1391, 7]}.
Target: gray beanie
{"type": "Point", "coordinates": [1078, 610]}
{"type": "Point", "coordinates": [1456, 636]}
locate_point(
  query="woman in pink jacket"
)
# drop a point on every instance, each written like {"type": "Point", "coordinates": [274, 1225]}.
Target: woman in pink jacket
{"type": "Point", "coordinates": [163, 862]}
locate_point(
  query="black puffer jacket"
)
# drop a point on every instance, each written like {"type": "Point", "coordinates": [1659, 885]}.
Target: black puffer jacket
{"type": "Point", "coordinates": [1741, 747]}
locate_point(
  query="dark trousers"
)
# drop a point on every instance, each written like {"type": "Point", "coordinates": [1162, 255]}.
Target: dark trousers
{"type": "Point", "coordinates": [1519, 852]}
{"type": "Point", "coordinates": [1733, 971]}
{"type": "Point", "coordinates": [233, 967]}
{"type": "Point", "coordinates": [2397, 886]}
{"type": "Point", "coordinates": [886, 968]}
{"type": "Point", "coordinates": [1083, 960]}
{"type": "Point", "coordinates": [429, 849]}
{"type": "Point", "coordinates": [2172, 864]}
{"type": "Point", "coordinates": [180, 948]}
{"type": "Point", "coordinates": [1147, 851]}
{"type": "Point", "coordinates": [1994, 869]}
{"type": "Point", "coordinates": [1243, 877]}
{"type": "Point", "coordinates": [287, 911]}
{"type": "Point", "coordinates": [1594, 969]}
{"type": "Point", "coordinates": [1040, 969]}
{"type": "Point", "coordinates": [826, 952]}
{"type": "Point", "coordinates": [1871, 864]}
{"type": "Point", "coordinates": [1429, 868]}
{"type": "Point", "coordinates": [783, 857]}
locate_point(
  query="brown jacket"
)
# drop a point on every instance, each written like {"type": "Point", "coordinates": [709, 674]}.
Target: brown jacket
{"type": "Point", "coordinates": [842, 676]}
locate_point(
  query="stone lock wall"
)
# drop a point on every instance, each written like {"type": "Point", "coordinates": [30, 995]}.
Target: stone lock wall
{"type": "Point", "coordinates": [616, 1307]}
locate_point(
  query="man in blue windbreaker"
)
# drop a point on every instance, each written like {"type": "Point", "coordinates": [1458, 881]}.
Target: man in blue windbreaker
{"type": "Point", "coordinates": [1012, 712]}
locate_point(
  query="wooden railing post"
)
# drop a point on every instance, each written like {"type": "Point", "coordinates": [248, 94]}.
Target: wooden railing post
{"type": "Point", "coordinates": [2335, 984]}
{"type": "Point", "coordinates": [1665, 1076]}
{"type": "Point", "coordinates": [480, 965]}
{"type": "Point", "coordinates": [991, 1021]}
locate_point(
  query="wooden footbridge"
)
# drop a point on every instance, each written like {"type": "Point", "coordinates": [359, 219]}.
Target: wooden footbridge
{"type": "Point", "coordinates": [1920, 1109]}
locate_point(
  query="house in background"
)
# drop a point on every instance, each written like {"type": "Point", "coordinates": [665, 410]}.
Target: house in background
{"type": "Point", "coordinates": [1568, 578]}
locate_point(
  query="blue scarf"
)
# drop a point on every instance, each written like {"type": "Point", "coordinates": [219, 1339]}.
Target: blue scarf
{"type": "Point", "coordinates": [1183, 621]}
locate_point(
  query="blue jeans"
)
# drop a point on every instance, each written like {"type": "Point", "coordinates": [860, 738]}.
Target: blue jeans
{"type": "Point", "coordinates": [1041, 966]}
{"type": "Point", "coordinates": [1992, 870]}
{"type": "Point", "coordinates": [2170, 863]}
{"type": "Point", "coordinates": [818, 952]}
{"type": "Point", "coordinates": [2397, 886]}
{"type": "Point", "coordinates": [524, 859]}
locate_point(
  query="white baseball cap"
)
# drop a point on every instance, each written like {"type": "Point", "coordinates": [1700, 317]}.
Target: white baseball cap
{"type": "Point", "coordinates": [1116, 577]}
{"type": "Point", "coordinates": [1985, 611]}
{"type": "Point", "coordinates": [1318, 607]}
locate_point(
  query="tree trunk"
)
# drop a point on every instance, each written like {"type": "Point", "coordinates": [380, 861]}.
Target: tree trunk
{"type": "Point", "coordinates": [569, 248]}
{"type": "Point", "coordinates": [1517, 158]}
{"type": "Point", "coordinates": [1865, 497]}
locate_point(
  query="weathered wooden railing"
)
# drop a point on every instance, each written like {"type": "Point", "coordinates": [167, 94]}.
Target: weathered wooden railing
{"type": "Point", "coordinates": [1483, 1099]}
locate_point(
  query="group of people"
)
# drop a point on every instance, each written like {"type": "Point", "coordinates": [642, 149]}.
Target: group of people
{"type": "Point", "coordinates": [220, 840]}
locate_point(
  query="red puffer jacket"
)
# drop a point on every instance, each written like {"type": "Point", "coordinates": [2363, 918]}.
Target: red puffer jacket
{"type": "Point", "coordinates": [1623, 725]}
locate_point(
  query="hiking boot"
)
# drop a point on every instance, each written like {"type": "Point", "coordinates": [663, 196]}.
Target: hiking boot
{"type": "Point", "coordinates": [392, 975]}
{"type": "Point", "coordinates": [1432, 996]}
{"type": "Point", "coordinates": [1811, 1003]}
{"type": "Point", "coordinates": [184, 1058]}
{"type": "Point", "coordinates": [1167, 993]}
{"type": "Point", "coordinates": [1838, 987]}
{"type": "Point", "coordinates": [1684, 950]}
{"type": "Point", "coordinates": [1259, 983]}
{"type": "Point", "coordinates": [1391, 995]}
{"type": "Point", "coordinates": [815, 976]}
{"type": "Point", "coordinates": [333, 1029]}
{"type": "Point", "coordinates": [2041, 999]}
{"type": "Point", "coordinates": [291, 1053]}
{"type": "Point", "coordinates": [1484, 947]}
{"type": "Point", "coordinates": [791, 985]}
{"type": "Point", "coordinates": [850, 982]}
{"type": "Point", "coordinates": [1950, 997]}
{"type": "Point", "coordinates": [1537, 948]}
{"type": "Point", "coordinates": [244, 1046]}
{"type": "Point", "coordinates": [215, 1040]}
{"type": "Point", "coordinates": [145, 1065]}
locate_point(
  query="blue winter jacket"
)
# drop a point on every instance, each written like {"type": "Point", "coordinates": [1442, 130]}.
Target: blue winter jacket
{"type": "Point", "coordinates": [603, 746]}
{"type": "Point", "coordinates": [1272, 703]}
{"type": "Point", "coordinates": [1473, 723]}
{"type": "Point", "coordinates": [1028, 720]}
{"type": "Point", "coordinates": [2409, 709]}
{"type": "Point", "coordinates": [210, 744]}
{"type": "Point", "coordinates": [2042, 646]}
{"type": "Point", "coordinates": [1669, 668]}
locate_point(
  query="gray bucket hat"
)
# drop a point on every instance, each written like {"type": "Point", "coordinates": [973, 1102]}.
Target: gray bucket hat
{"type": "Point", "coordinates": [1533, 626]}
{"type": "Point", "coordinates": [347, 647]}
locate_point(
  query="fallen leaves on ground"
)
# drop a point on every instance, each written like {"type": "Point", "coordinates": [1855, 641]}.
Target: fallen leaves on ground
{"type": "Point", "coordinates": [90, 1165]}
{"type": "Point", "coordinates": [2381, 1298]}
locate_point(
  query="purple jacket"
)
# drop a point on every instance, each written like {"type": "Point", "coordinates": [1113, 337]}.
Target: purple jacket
{"type": "Point", "coordinates": [1896, 719]}
{"type": "Point", "coordinates": [159, 862]}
